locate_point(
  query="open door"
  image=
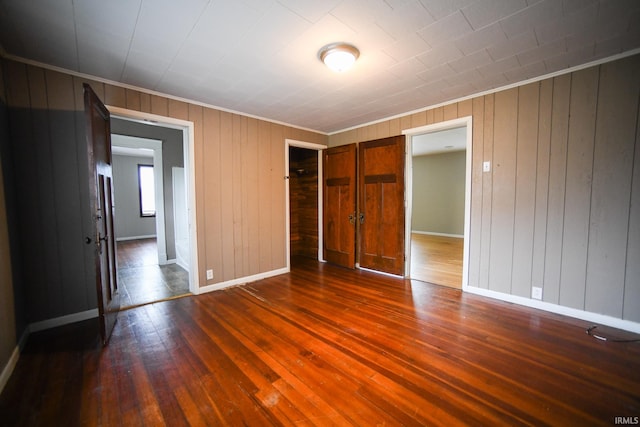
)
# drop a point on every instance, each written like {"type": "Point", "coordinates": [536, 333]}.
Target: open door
{"type": "Point", "coordinates": [340, 205]}
{"type": "Point", "coordinates": [101, 196]}
{"type": "Point", "coordinates": [382, 215]}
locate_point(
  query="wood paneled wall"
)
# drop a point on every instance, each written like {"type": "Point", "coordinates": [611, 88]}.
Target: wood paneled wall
{"type": "Point", "coordinates": [303, 204]}
{"type": "Point", "coordinates": [240, 189]}
{"type": "Point", "coordinates": [8, 332]}
{"type": "Point", "coordinates": [561, 207]}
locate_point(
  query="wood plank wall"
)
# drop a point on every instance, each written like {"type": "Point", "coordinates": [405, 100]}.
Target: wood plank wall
{"type": "Point", "coordinates": [240, 189]}
{"type": "Point", "coordinates": [8, 332]}
{"type": "Point", "coordinates": [303, 204]}
{"type": "Point", "coordinates": [560, 208]}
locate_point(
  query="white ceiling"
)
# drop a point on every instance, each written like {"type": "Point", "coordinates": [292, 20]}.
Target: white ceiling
{"type": "Point", "coordinates": [259, 57]}
{"type": "Point", "coordinates": [135, 146]}
{"type": "Point", "coordinates": [439, 142]}
{"type": "Point", "coordinates": [133, 152]}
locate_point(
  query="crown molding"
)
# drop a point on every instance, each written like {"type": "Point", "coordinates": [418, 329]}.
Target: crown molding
{"type": "Point", "coordinates": [498, 89]}
{"type": "Point", "coordinates": [26, 61]}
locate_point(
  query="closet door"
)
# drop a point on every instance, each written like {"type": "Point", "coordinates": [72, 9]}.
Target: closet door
{"type": "Point", "coordinates": [382, 213]}
{"type": "Point", "coordinates": [340, 205]}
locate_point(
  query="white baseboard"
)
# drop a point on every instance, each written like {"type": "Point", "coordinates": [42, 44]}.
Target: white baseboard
{"type": "Point", "coordinates": [40, 326]}
{"type": "Point", "coordinates": [241, 280]}
{"type": "Point", "coordinates": [430, 233]}
{"type": "Point", "coordinates": [23, 339]}
{"type": "Point", "coordinates": [9, 367]}
{"type": "Point", "coordinates": [13, 360]}
{"type": "Point", "coordinates": [596, 318]}
{"type": "Point", "coordinates": [63, 320]}
{"type": "Point", "coordinates": [124, 239]}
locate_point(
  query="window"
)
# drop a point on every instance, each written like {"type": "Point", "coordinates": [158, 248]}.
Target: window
{"type": "Point", "coordinates": [147, 189]}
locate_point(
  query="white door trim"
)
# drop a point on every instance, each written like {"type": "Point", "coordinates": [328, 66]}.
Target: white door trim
{"type": "Point", "coordinates": [436, 127]}
{"type": "Point", "coordinates": [187, 128]}
{"type": "Point", "coordinates": [311, 146]}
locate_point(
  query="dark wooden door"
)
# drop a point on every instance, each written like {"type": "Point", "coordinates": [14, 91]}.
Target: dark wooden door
{"type": "Point", "coordinates": [382, 212]}
{"type": "Point", "coordinates": [339, 174]}
{"type": "Point", "coordinates": [101, 194]}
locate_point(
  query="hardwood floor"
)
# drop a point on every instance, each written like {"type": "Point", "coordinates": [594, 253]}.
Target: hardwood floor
{"type": "Point", "coordinates": [326, 346]}
{"type": "Point", "coordinates": [141, 280]}
{"type": "Point", "coordinates": [437, 259]}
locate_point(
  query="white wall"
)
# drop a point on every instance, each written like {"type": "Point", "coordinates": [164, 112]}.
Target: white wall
{"type": "Point", "coordinates": [127, 221]}
{"type": "Point", "coordinates": [438, 193]}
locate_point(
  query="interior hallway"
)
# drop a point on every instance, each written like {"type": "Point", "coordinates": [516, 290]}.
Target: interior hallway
{"type": "Point", "coordinates": [141, 280]}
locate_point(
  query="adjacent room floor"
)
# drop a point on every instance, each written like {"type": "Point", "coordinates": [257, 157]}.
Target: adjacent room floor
{"type": "Point", "coordinates": [141, 280]}
{"type": "Point", "coordinates": [437, 259]}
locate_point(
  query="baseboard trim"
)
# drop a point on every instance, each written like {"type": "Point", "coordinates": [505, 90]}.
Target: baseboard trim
{"type": "Point", "coordinates": [63, 320]}
{"type": "Point", "coordinates": [124, 239]}
{"type": "Point", "coordinates": [596, 318]}
{"type": "Point", "coordinates": [182, 264]}
{"type": "Point", "coordinates": [9, 367]}
{"type": "Point", "coordinates": [429, 233]}
{"type": "Point", "coordinates": [241, 281]}
{"type": "Point", "coordinates": [13, 360]}
{"type": "Point", "coordinates": [23, 339]}
{"type": "Point", "coordinates": [35, 327]}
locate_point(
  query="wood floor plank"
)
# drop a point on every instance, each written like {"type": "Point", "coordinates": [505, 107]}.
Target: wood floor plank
{"type": "Point", "coordinates": [437, 259]}
{"type": "Point", "coordinates": [320, 410]}
{"type": "Point", "coordinates": [322, 346]}
{"type": "Point", "coordinates": [293, 352]}
{"type": "Point", "coordinates": [363, 359]}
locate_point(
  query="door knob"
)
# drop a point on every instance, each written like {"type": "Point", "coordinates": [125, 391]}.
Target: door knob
{"type": "Point", "coordinates": [352, 218]}
{"type": "Point", "coordinates": [361, 218]}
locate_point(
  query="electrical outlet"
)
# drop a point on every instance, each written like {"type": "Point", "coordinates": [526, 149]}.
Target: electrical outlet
{"type": "Point", "coordinates": [536, 292]}
{"type": "Point", "coordinates": [209, 274]}
{"type": "Point", "coordinates": [486, 166]}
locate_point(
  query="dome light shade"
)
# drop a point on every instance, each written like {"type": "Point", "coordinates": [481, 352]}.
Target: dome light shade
{"type": "Point", "coordinates": [339, 56]}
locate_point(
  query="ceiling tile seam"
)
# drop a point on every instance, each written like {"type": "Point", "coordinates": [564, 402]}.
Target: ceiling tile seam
{"type": "Point", "coordinates": [498, 89]}
{"type": "Point", "coordinates": [295, 13]}
{"type": "Point", "coordinates": [75, 34]}
{"type": "Point", "coordinates": [133, 34]}
{"type": "Point", "coordinates": [184, 40]}
{"type": "Point", "coordinates": [473, 30]}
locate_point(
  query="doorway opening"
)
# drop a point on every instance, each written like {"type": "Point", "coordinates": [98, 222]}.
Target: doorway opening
{"type": "Point", "coordinates": [157, 262]}
{"type": "Point", "coordinates": [438, 202]}
{"type": "Point", "coordinates": [303, 172]}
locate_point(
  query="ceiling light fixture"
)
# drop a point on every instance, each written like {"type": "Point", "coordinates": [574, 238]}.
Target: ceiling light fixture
{"type": "Point", "coordinates": [339, 56]}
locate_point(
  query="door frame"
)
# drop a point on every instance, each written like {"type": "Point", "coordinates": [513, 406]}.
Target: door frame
{"type": "Point", "coordinates": [310, 146]}
{"type": "Point", "coordinates": [188, 146]}
{"type": "Point", "coordinates": [437, 127]}
{"type": "Point", "coordinates": [175, 172]}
